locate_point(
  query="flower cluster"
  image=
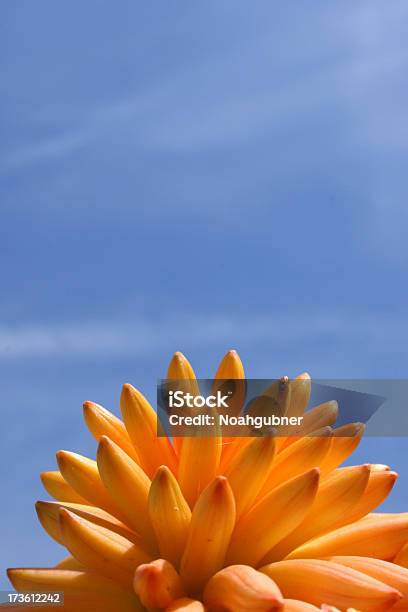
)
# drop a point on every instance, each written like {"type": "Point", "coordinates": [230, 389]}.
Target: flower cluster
{"type": "Point", "coordinates": [219, 523]}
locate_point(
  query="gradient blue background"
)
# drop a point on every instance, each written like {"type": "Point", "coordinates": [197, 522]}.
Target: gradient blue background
{"type": "Point", "coordinates": [193, 176]}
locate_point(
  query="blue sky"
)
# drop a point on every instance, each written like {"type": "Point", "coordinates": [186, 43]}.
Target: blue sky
{"type": "Point", "coordinates": [195, 177]}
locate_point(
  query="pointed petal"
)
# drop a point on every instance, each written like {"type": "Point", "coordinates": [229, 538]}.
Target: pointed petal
{"type": "Point", "coordinates": [101, 518]}
{"type": "Point", "coordinates": [212, 523]}
{"type": "Point", "coordinates": [272, 519]}
{"type": "Point", "coordinates": [83, 476]}
{"type": "Point", "coordinates": [59, 489]}
{"type": "Point", "coordinates": [320, 416]}
{"type": "Point", "coordinates": [249, 470]}
{"type": "Point", "coordinates": [230, 380]}
{"type": "Point", "coordinates": [170, 515]}
{"type": "Point", "coordinates": [378, 488]}
{"type": "Point", "coordinates": [379, 538]}
{"type": "Point", "coordinates": [129, 486]}
{"type": "Point", "coordinates": [240, 588]}
{"type": "Point", "coordinates": [101, 422]}
{"type": "Point", "coordinates": [301, 388]}
{"type": "Point", "coordinates": [300, 456]}
{"type": "Point", "coordinates": [50, 519]}
{"type": "Point", "coordinates": [319, 582]}
{"type": "Point", "coordinates": [180, 369]}
{"type": "Point", "coordinates": [83, 591]}
{"type": "Point", "coordinates": [389, 573]}
{"type": "Point", "coordinates": [157, 584]}
{"type": "Point", "coordinates": [336, 496]}
{"type": "Point", "coordinates": [231, 367]}
{"type": "Point", "coordinates": [48, 514]}
{"type": "Point", "coordinates": [141, 423]}
{"type": "Point", "coordinates": [345, 441]}
{"type": "Point", "coordinates": [101, 550]}
{"type": "Point", "coordinates": [185, 604]}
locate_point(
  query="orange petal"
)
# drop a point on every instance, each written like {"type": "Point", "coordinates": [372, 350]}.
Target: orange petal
{"type": "Point", "coordinates": [249, 470]}
{"type": "Point", "coordinates": [59, 489]}
{"type": "Point", "coordinates": [179, 370]}
{"type": "Point", "coordinates": [212, 522]}
{"type": "Point", "coordinates": [274, 399]}
{"type": "Point", "coordinates": [141, 423]}
{"type": "Point", "coordinates": [379, 538]}
{"type": "Point", "coordinates": [336, 496]}
{"type": "Point", "coordinates": [389, 573]}
{"type": "Point", "coordinates": [101, 550]}
{"type": "Point", "coordinates": [345, 441]}
{"type": "Point", "coordinates": [231, 367]}
{"type": "Point", "coordinates": [83, 591]}
{"type": "Point", "coordinates": [378, 488]}
{"type": "Point", "coordinates": [170, 515]}
{"type": "Point", "coordinates": [83, 476]}
{"type": "Point", "coordinates": [301, 388]}
{"type": "Point", "coordinates": [230, 380]}
{"type": "Point", "coordinates": [239, 588]}
{"type": "Point", "coordinates": [157, 584]}
{"type": "Point", "coordinates": [128, 485]}
{"type": "Point", "coordinates": [272, 519]}
{"type": "Point", "coordinates": [48, 514]}
{"type": "Point", "coordinates": [318, 417]}
{"type": "Point", "coordinates": [101, 422]}
{"type": "Point", "coordinates": [303, 455]}
{"type": "Point", "coordinates": [199, 461]}
{"type": "Point", "coordinates": [319, 582]}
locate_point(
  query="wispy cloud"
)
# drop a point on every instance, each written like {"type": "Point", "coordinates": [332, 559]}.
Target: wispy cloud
{"type": "Point", "coordinates": [147, 336]}
{"type": "Point", "coordinates": [365, 51]}
{"type": "Point", "coordinates": [44, 151]}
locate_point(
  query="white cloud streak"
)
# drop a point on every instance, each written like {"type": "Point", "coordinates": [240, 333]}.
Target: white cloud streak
{"type": "Point", "coordinates": [52, 149]}
{"type": "Point", "coordinates": [148, 336]}
{"type": "Point", "coordinates": [366, 52]}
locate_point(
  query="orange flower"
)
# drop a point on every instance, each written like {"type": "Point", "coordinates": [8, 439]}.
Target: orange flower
{"type": "Point", "coordinates": [221, 524]}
